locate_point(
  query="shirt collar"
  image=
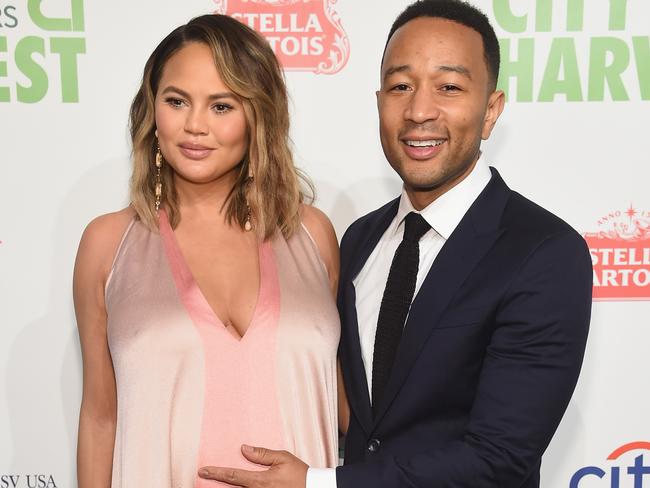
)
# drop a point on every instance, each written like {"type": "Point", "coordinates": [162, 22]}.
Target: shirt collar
{"type": "Point", "coordinates": [445, 213]}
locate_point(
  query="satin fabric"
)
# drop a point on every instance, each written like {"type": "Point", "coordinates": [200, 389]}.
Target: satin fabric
{"type": "Point", "coordinates": [189, 392]}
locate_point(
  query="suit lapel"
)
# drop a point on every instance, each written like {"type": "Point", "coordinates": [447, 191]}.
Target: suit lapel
{"type": "Point", "coordinates": [374, 229]}
{"type": "Point", "coordinates": [351, 265]}
{"type": "Point", "coordinates": [476, 233]}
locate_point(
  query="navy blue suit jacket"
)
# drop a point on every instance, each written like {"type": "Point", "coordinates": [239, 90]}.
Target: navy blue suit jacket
{"type": "Point", "coordinates": [489, 357]}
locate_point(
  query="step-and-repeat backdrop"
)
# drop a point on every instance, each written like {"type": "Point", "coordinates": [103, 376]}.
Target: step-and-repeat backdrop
{"type": "Point", "coordinates": [574, 138]}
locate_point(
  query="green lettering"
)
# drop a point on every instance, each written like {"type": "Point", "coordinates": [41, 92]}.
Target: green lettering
{"type": "Point", "coordinates": [601, 72]}
{"type": "Point", "coordinates": [617, 14]}
{"type": "Point", "coordinates": [5, 95]}
{"type": "Point", "coordinates": [642, 56]}
{"type": "Point", "coordinates": [544, 16]}
{"type": "Point", "coordinates": [522, 69]}
{"type": "Point", "coordinates": [75, 23]}
{"type": "Point", "coordinates": [506, 19]}
{"type": "Point", "coordinates": [68, 48]}
{"type": "Point", "coordinates": [25, 48]}
{"type": "Point", "coordinates": [575, 15]}
{"type": "Point", "coordinates": [562, 57]}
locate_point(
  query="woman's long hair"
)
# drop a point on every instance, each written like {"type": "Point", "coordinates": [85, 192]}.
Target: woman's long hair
{"type": "Point", "coordinates": [248, 67]}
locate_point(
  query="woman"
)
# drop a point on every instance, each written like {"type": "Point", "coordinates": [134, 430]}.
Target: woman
{"type": "Point", "coordinates": [205, 308]}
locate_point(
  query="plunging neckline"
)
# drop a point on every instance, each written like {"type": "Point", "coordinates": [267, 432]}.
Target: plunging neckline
{"type": "Point", "coordinates": [193, 299]}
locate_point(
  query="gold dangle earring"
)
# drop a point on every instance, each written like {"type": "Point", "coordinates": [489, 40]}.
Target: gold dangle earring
{"type": "Point", "coordinates": [158, 180]}
{"type": "Point", "coordinates": [247, 225]}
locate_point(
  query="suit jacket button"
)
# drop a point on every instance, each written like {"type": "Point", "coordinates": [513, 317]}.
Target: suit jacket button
{"type": "Point", "coordinates": [373, 445]}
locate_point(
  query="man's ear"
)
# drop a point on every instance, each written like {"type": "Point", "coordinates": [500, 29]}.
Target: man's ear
{"type": "Point", "coordinates": [496, 103]}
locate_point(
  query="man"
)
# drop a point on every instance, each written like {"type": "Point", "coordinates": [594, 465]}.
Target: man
{"type": "Point", "coordinates": [464, 306]}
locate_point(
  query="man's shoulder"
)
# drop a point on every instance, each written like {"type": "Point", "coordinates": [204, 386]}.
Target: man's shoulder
{"type": "Point", "coordinates": [533, 230]}
{"type": "Point", "coordinates": [518, 213]}
{"type": "Point", "coordinates": [524, 216]}
{"type": "Point", "coordinates": [367, 222]}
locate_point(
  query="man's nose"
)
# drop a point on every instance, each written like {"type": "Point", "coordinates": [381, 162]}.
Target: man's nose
{"type": "Point", "coordinates": [422, 106]}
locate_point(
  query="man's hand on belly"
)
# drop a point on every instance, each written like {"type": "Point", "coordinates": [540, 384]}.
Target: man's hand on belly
{"type": "Point", "coordinates": [285, 470]}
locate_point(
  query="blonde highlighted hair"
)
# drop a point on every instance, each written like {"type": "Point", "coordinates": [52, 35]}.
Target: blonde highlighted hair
{"type": "Point", "coordinates": [249, 68]}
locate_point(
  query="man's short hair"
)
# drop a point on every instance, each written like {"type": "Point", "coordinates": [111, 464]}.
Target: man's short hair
{"type": "Point", "coordinates": [463, 13]}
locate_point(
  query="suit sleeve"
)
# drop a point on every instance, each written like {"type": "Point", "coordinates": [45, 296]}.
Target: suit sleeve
{"type": "Point", "coordinates": [529, 372]}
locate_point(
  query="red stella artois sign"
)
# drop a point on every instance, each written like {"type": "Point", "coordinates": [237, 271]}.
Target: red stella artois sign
{"type": "Point", "coordinates": [620, 253]}
{"type": "Point", "coordinates": [306, 35]}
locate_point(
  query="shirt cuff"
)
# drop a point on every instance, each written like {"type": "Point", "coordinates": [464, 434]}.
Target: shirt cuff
{"type": "Point", "coordinates": [321, 478]}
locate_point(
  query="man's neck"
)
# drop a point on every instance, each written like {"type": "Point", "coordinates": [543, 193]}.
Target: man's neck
{"type": "Point", "coordinates": [423, 198]}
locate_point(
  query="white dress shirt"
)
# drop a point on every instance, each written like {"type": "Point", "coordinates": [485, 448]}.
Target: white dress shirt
{"type": "Point", "coordinates": [443, 215]}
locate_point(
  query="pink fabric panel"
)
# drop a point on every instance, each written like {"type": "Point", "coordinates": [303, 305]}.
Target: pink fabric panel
{"type": "Point", "coordinates": [241, 403]}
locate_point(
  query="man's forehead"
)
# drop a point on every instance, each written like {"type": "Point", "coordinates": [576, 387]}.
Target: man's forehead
{"type": "Point", "coordinates": [422, 34]}
{"type": "Point", "coordinates": [432, 29]}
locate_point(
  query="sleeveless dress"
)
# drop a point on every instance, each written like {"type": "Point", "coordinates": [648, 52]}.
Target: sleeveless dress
{"type": "Point", "coordinates": [189, 393]}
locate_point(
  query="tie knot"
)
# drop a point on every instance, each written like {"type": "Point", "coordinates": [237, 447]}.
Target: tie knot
{"type": "Point", "coordinates": [415, 227]}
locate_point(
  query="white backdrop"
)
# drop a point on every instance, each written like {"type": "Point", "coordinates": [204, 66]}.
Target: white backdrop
{"type": "Point", "coordinates": [573, 138]}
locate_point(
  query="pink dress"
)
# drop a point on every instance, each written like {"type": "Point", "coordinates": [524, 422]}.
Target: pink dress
{"type": "Point", "coordinates": [189, 393]}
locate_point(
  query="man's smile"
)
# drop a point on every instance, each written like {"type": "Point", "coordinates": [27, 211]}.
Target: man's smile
{"type": "Point", "coordinates": [422, 149]}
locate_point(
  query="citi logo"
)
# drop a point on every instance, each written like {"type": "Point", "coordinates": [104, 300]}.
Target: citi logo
{"type": "Point", "coordinates": [617, 475]}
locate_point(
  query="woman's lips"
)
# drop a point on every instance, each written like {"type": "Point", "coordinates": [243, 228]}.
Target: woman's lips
{"type": "Point", "coordinates": [194, 151]}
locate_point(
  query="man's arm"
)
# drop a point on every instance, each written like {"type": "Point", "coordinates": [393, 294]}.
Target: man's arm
{"type": "Point", "coordinates": [528, 376]}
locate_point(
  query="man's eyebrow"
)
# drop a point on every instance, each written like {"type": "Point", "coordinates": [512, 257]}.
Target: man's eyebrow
{"type": "Point", "coordinates": [397, 69]}
{"type": "Point", "coordinates": [183, 93]}
{"type": "Point", "coordinates": [456, 68]}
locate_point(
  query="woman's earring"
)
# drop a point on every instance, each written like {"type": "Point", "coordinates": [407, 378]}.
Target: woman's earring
{"type": "Point", "coordinates": [247, 225]}
{"type": "Point", "coordinates": [158, 180]}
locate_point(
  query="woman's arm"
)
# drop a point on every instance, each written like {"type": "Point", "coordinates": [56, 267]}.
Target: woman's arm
{"type": "Point", "coordinates": [321, 230]}
{"type": "Point", "coordinates": [344, 407]}
{"type": "Point", "coordinates": [97, 416]}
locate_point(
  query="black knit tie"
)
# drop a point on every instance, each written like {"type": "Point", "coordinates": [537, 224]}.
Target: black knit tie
{"type": "Point", "coordinates": [396, 302]}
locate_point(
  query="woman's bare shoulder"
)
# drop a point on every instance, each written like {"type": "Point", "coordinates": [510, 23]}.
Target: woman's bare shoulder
{"type": "Point", "coordinates": [101, 239]}
{"type": "Point", "coordinates": [322, 231]}
{"type": "Point", "coordinates": [318, 225]}
{"type": "Point", "coordinates": [104, 230]}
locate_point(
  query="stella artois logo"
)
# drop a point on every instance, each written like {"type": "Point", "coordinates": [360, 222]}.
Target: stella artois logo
{"type": "Point", "coordinates": [620, 253]}
{"type": "Point", "coordinates": [306, 35]}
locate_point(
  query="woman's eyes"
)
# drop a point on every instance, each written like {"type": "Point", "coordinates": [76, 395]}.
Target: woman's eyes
{"type": "Point", "coordinates": [174, 102]}
{"type": "Point", "coordinates": [219, 108]}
